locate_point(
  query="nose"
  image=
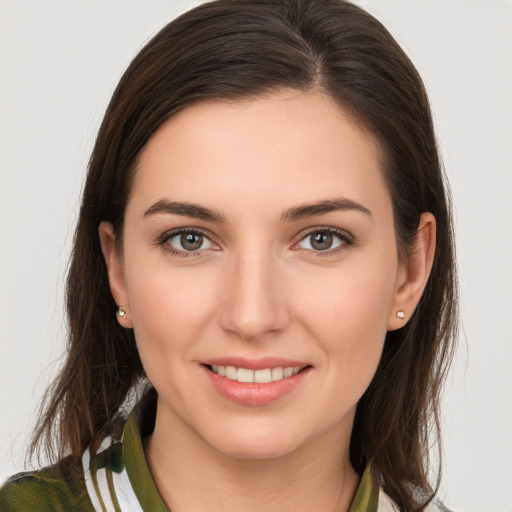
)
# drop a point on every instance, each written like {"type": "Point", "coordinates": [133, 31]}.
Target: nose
{"type": "Point", "coordinates": [253, 302]}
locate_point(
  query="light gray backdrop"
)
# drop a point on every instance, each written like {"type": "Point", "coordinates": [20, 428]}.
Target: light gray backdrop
{"type": "Point", "coordinates": [60, 61]}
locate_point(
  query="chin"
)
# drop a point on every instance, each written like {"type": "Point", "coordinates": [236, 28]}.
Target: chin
{"type": "Point", "coordinates": [255, 444]}
{"type": "Point", "coordinates": [250, 450]}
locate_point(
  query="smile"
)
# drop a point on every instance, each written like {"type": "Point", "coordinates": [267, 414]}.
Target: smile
{"type": "Point", "coordinates": [262, 376]}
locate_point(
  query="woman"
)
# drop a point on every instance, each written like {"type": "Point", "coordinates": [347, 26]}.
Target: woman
{"type": "Point", "coordinates": [265, 238]}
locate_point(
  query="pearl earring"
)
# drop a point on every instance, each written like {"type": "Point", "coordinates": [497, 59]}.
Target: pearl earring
{"type": "Point", "coordinates": [400, 314]}
{"type": "Point", "coordinates": [120, 313]}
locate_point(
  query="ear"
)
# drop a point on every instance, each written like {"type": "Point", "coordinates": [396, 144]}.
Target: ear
{"type": "Point", "coordinates": [413, 274]}
{"type": "Point", "coordinates": [115, 271]}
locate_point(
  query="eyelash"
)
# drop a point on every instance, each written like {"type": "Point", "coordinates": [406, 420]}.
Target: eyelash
{"type": "Point", "coordinates": [164, 239]}
{"type": "Point", "coordinates": [347, 240]}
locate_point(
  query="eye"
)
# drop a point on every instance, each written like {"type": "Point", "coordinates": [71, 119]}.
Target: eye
{"type": "Point", "coordinates": [186, 241]}
{"type": "Point", "coordinates": [325, 240]}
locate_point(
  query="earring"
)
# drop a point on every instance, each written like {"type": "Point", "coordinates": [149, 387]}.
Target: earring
{"type": "Point", "coordinates": [120, 313]}
{"type": "Point", "coordinates": [400, 314]}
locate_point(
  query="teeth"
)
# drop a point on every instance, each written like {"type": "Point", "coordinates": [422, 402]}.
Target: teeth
{"type": "Point", "coordinates": [277, 373]}
{"type": "Point", "coordinates": [230, 372]}
{"type": "Point", "coordinates": [244, 375]}
{"type": "Point", "coordinates": [259, 376]}
{"type": "Point", "coordinates": [262, 376]}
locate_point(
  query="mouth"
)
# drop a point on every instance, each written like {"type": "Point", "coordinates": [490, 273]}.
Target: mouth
{"type": "Point", "coordinates": [260, 376]}
{"type": "Point", "coordinates": [255, 382]}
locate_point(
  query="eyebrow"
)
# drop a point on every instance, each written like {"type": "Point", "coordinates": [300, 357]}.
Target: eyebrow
{"type": "Point", "coordinates": [291, 214]}
{"type": "Point", "coordinates": [186, 210]}
{"type": "Point", "coordinates": [321, 207]}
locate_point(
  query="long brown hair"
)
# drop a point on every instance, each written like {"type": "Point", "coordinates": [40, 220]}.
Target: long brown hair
{"type": "Point", "coordinates": [235, 49]}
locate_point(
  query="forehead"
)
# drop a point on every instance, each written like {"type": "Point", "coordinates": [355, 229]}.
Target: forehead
{"type": "Point", "coordinates": [288, 146]}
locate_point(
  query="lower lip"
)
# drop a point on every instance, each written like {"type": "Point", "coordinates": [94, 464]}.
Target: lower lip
{"type": "Point", "coordinates": [252, 393]}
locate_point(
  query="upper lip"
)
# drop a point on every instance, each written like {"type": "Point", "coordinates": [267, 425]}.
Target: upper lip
{"type": "Point", "coordinates": [255, 364]}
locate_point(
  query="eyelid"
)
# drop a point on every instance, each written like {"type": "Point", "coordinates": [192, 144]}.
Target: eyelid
{"type": "Point", "coordinates": [167, 235]}
{"type": "Point", "coordinates": [347, 238]}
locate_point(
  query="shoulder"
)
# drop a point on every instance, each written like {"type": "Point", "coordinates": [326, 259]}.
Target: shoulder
{"type": "Point", "coordinates": [386, 504]}
{"type": "Point", "coordinates": [56, 488]}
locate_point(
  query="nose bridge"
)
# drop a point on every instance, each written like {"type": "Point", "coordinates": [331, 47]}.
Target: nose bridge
{"type": "Point", "coordinates": [253, 302]}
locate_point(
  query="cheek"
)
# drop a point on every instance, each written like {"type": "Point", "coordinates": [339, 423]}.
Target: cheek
{"type": "Point", "coordinates": [170, 310]}
{"type": "Point", "coordinates": [346, 313]}
{"type": "Point", "coordinates": [350, 302]}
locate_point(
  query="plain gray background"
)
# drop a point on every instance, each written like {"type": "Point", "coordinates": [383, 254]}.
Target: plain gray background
{"type": "Point", "coordinates": [59, 64]}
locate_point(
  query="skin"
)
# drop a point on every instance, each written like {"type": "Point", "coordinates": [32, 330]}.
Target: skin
{"type": "Point", "coordinates": [258, 287]}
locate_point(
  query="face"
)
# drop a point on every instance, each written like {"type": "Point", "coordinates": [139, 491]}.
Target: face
{"type": "Point", "coordinates": [259, 245]}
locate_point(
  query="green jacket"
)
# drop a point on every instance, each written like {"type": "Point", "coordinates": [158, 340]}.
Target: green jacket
{"type": "Point", "coordinates": [117, 478]}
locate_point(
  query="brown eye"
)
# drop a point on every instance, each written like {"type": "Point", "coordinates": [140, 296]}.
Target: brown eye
{"type": "Point", "coordinates": [188, 241]}
{"type": "Point", "coordinates": [324, 240]}
{"type": "Point", "coordinates": [191, 241]}
{"type": "Point", "coordinates": [321, 241]}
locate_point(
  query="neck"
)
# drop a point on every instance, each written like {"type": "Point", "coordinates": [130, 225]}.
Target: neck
{"type": "Point", "coordinates": [190, 474]}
